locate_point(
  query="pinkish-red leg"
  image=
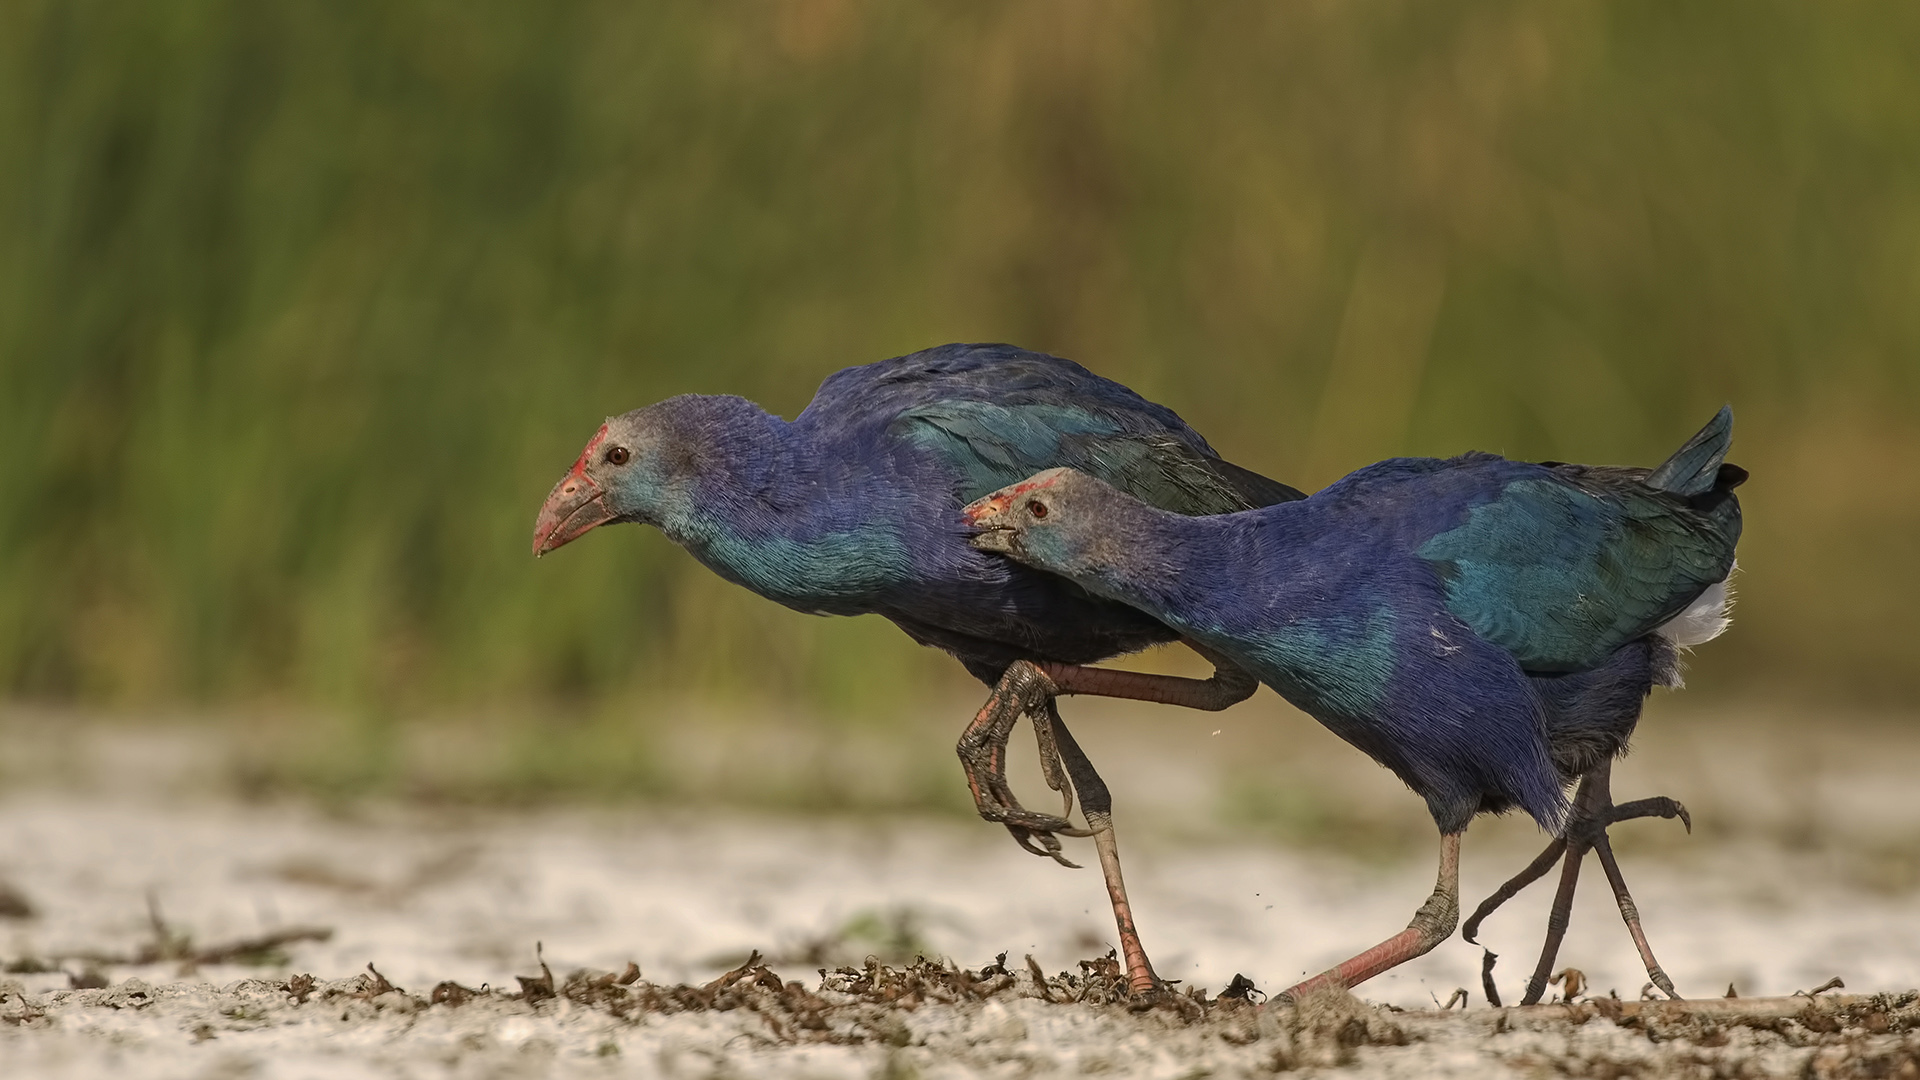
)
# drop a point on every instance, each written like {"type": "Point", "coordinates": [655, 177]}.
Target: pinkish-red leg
{"type": "Point", "coordinates": [1430, 926]}
{"type": "Point", "coordinates": [1226, 687]}
{"type": "Point", "coordinates": [1097, 804]}
{"type": "Point", "coordinates": [1031, 689]}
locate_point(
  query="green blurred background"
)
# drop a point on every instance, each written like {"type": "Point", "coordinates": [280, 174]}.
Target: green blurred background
{"type": "Point", "coordinates": [304, 306]}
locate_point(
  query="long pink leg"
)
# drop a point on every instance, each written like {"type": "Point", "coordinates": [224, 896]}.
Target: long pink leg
{"type": "Point", "coordinates": [1028, 688]}
{"type": "Point", "coordinates": [1430, 926]}
{"type": "Point", "coordinates": [1097, 805]}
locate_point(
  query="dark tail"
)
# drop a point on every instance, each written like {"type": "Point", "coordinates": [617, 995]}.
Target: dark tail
{"type": "Point", "coordinates": [1700, 466]}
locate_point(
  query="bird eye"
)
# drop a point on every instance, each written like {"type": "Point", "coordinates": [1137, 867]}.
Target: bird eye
{"type": "Point", "coordinates": [619, 455]}
{"type": "Point", "coordinates": [1037, 508]}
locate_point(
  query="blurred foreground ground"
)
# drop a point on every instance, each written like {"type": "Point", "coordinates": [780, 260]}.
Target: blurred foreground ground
{"type": "Point", "coordinates": [1266, 849]}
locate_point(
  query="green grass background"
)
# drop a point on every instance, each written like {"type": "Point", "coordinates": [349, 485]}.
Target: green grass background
{"type": "Point", "coordinates": [305, 305]}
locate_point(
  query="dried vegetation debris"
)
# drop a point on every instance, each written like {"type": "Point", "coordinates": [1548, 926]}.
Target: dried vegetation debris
{"type": "Point", "coordinates": [1000, 1013]}
{"type": "Point", "coordinates": [850, 1005]}
{"type": "Point", "coordinates": [1836, 1037]}
{"type": "Point", "coordinates": [168, 944]}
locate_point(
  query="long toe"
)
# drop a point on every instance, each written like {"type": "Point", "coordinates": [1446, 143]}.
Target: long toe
{"type": "Point", "coordinates": [1587, 830]}
{"type": "Point", "coordinates": [1036, 822]}
{"type": "Point", "coordinates": [1630, 914]}
{"type": "Point", "coordinates": [1657, 806]}
{"type": "Point", "coordinates": [1535, 870]}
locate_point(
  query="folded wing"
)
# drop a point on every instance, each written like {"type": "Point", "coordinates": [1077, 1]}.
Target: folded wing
{"type": "Point", "coordinates": [1568, 563]}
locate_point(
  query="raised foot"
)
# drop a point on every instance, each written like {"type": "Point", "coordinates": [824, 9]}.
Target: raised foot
{"type": "Point", "coordinates": [1587, 831]}
{"type": "Point", "coordinates": [1026, 688]}
{"type": "Point", "coordinates": [1593, 813]}
{"type": "Point", "coordinates": [1023, 690]}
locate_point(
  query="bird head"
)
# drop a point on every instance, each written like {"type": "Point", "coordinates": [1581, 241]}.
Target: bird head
{"type": "Point", "coordinates": [624, 474]}
{"type": "Point", "coordinates": [1051, 520]}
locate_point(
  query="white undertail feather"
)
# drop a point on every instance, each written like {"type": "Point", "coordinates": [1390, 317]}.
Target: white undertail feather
{"type": "Point", "coordinates": [1704, 619]}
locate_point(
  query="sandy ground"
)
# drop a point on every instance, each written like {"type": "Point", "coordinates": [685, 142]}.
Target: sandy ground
{"type": "Point", "coordinates": [463, 896]}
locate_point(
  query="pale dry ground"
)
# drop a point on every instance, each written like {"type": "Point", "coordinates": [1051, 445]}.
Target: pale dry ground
{"type": "Point", "coordinates": [1266, 849]}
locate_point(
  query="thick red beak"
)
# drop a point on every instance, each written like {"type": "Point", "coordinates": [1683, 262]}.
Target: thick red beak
{"type": "Point", "coordinates": [575, 506]}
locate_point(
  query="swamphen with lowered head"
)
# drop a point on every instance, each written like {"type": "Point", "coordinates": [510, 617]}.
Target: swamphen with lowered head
{"type": "Point", "coordinates": [1485, 628]}
{"type": "Point", "coordinates": [853, 507]}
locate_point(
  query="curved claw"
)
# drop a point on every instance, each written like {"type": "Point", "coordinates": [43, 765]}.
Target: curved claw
{"type": "Point", "coordinates": [1023, 691]}
{"type": "Point", "coordinates": [1656, 806]}
{"type": "Point", "coordinates": [1052, 768]}
{"type": "Point", "coordinates": [1049, 849]}
{"type": "Point", "coordinates": [1005, 809]}
{"type": "Point", "coordinates": [1026, 827]}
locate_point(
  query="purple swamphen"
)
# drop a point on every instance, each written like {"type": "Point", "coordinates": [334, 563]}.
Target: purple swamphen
{"type": "Point", "coordinates": [1485, 628]}
{"type": "Point", "coordinates": [853, 507]}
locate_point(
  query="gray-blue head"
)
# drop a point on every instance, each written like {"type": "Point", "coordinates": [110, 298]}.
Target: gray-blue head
{"type": "Point", "coordinates": [1062, 521]}
{"type": "Point", "coordinates": [643, 466]}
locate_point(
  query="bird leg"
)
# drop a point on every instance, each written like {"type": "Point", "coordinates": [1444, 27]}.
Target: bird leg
{"type": "Point", "coordinates": [1097, 804]}
{"type": "Point", "coordinates": [1024, 688]}
{"type": "Point", "coordinates": [1028, 688]}
{"type": "Point", "coordinates": [982, 752]}
{"type": "Point", "coordinates": [1227, 686]}
{"type": "Point", "coordinates": [1430, 926]}
{"type": "Point", "coordinates": [1586, 830]}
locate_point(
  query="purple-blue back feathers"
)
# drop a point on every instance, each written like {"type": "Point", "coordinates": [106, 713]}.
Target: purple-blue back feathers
{"type": "Point", "coordinates": [1484, 627]}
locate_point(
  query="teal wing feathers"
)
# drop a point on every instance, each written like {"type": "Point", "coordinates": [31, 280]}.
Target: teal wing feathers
{"type": "Point", "coordinates": [1567, 565]}
{"type": "Point", "coordinates": [993, 444]}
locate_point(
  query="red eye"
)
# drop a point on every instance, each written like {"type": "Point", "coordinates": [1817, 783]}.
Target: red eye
{"type": "Point", "coordinates": [619, 455]}
{"type": "Point", "coordinates": [1037, 508]}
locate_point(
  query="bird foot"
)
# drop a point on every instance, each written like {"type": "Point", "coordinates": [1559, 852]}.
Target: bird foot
{"type": "Point", "coordinates": [1036, 833]}
{"type": "Point", "coordinates": [1024, 690]}
{"type": "Point", "coordinates": [1586, 831]}
{"type": "Point", "coordinates": [1028, 689]}
{"type": "Point", "coordinates": [1583, 831]}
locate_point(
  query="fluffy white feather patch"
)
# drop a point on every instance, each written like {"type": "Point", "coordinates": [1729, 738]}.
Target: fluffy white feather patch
{"type": "Point", "coordinates": [1704, 619]}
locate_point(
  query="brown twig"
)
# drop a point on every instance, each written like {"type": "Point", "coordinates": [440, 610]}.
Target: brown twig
{"type": "Point", "coordinates": [170, 945]}
{"type": "Point", "coordinates": [1039, 978]}
{"type": "Point", "coordinates": [1831, 984]}
{"type": "Point", "coordinates": [1779, 1008]}
{"type": "Point", "coordinates": [258, 946]}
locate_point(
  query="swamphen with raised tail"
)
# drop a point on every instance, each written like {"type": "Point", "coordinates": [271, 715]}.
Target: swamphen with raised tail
{"type": "Point", "coordinates": [853, 507]}
{"type": "Point", "coordinates": [1485, 628]}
